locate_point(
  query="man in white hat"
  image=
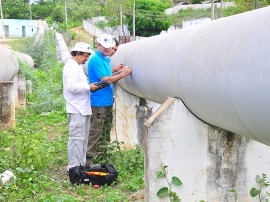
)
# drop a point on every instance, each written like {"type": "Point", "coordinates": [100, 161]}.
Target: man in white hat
{"type": "Point", "coordinates": [78, 107]}
{"type": "Point", "coordinates": [102, 100]}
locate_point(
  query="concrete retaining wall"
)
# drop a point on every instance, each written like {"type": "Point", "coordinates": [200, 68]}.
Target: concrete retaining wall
{"type": "Point", "coordinates": [208, 160]}
{"type": "Point", "coordinates": [130, 113]}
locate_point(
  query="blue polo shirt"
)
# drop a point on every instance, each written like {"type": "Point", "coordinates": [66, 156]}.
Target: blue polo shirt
{"type": "Point", "coordinates": [99, 67]}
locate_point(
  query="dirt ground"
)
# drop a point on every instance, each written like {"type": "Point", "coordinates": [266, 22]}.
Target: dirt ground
{"type": "Point", "coordinates": [82, 35]}
{"type": "Point", "coordinates": [4, 42]}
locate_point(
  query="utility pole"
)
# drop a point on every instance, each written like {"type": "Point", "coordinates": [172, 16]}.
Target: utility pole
{"type": "Point", "coordinates": [66, 12]}
{"type": "Point", "coordinates": [30, 10]}
{"type": "Point", "coordinates": [221, 8]}
{"type": "Point", "coordinates": [255, 4]}
{"type": "Point", "coordinates": [121, 18]}
{"type": "Point", "coordinates": [3, 28]}
{"type": "Point", "coordinates": [134, 17]}
{"type": "Point", "coordinates": [212, 10]}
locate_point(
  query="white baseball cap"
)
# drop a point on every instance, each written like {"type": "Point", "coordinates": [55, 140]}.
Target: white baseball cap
{"type": "Point", "coordinates": [106, 41]}
{"type": "Point", "coordinates": [82, 47]}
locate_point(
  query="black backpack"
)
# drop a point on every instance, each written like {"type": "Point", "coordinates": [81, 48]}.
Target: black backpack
{"type": "Point", "coordinates": [96, 174]}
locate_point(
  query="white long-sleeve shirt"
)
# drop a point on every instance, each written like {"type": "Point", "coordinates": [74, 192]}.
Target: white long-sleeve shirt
{"type": "Point", "coordinates": [76, 89]}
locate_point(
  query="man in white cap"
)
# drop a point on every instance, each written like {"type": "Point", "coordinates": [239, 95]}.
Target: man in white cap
{"type": "Point", "coordinates": [78, 107]}
{"type": "Point", "coordinates": [102, 100]}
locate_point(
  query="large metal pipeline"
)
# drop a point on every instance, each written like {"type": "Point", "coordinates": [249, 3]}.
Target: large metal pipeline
{"type": "Point", "coordinates": [62, 49]}
{"type": "Point", "coordinates": [220, 70]}
{"type": "Point", "coordinates": [24, 58]}
{"type": "Point", "coordinates": [9, 65]}
{"type": "Point", "coordinates": [9, 59]}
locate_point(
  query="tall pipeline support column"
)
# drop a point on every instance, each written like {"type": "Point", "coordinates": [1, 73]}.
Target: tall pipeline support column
{"type": "Point", "coordinates": [7, 105]}
{"type": "Point", "coordinates": [21, 88]}
{"type": "Point", "coordinates": [220, 70]}
{"type": "Point", "coordinates": [20, 92]}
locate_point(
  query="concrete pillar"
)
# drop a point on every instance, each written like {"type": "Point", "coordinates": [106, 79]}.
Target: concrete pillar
{"type": "Point", "coordinates": [130, 113]}
{"type": "Point", "coordinates": [29, 87]}
{"type": "Point", "coordinates": [20, 92]}
{"type": "Point", "coordinates": [7, 105]}
{"type": "Point", "coordinates": [208, 160]}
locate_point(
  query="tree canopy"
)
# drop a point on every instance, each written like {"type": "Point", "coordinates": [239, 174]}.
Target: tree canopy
{"type": "Point", "coordinates": [42, 10]}
{"type": "Point", "coordinates": [149, 14]}
{"type": "Point", "coordinates": [16, 9]}
{"type": "Point", "coordinates": [150, 17]}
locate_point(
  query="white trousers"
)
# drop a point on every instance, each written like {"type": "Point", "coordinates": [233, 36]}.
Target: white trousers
{"type": "Point", "coordinates": [78, 126]}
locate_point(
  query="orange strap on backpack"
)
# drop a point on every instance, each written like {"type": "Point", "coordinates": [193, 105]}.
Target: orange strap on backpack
{"type": "Point", "coordinates": [97, 173]}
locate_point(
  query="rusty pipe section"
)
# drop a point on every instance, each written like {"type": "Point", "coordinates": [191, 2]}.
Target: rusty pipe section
{"type": "Point", "coordinates": [220, 70]}
{"type": "Point", "coordinates": [9, 65]}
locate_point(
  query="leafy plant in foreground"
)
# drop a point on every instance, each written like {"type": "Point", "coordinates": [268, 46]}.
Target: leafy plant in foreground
{"type": "Point", "coordinates": [263, 183]}
{"type": "Point", "coordinates": [167, 191]}
{"type": "Point", "coordinates": [235, 194]}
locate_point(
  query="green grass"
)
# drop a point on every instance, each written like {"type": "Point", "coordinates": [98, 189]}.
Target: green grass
{"type": "Point", "coordinates": [36, 149]}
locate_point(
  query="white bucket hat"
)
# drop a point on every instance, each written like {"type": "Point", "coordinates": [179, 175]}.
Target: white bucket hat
{"type": "Point", "coordinates": [106, 41]}
{"type": "Point", "coordinates": [82, 47]}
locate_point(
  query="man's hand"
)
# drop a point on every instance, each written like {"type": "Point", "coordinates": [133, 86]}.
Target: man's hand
{"type": "Point", "coordinates": [93, 87]}
{"type": "Point", "coordinates": [117, 68]}
{"type": "Point", "coordinates": [126, 71]}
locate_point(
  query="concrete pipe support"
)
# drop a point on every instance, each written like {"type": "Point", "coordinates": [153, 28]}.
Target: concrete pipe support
{"type": "Point", "coordinates": [7, 105]}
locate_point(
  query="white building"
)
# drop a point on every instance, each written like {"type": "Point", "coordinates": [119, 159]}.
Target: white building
{"type": "Point", "coordinates": [18, 27]}
{"type": "Point", "coordinates": [179, 7]}
{"type": "Point", "coordinates": [190, 23]}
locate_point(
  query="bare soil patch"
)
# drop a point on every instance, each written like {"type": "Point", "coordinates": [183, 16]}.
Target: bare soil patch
{"type": "Point", "coordinates": [82, 35]}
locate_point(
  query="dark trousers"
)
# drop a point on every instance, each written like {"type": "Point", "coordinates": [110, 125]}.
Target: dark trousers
{"type": "Point", "coordinates": [100, 128]}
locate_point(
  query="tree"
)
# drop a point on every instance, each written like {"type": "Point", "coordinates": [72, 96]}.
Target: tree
{"type": "Point", "coordinates": [16, 9]}
{"type": "Point", "coordinates": [42, 10]}
{"type": "Point", "coordinates": [150, 17]}
{"type": "Point", "coordinates": [58, 14]}
{"type": "Point", "coordinates": [79, 10]}
{"type": "Point", "coordinates": [112, 10]}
